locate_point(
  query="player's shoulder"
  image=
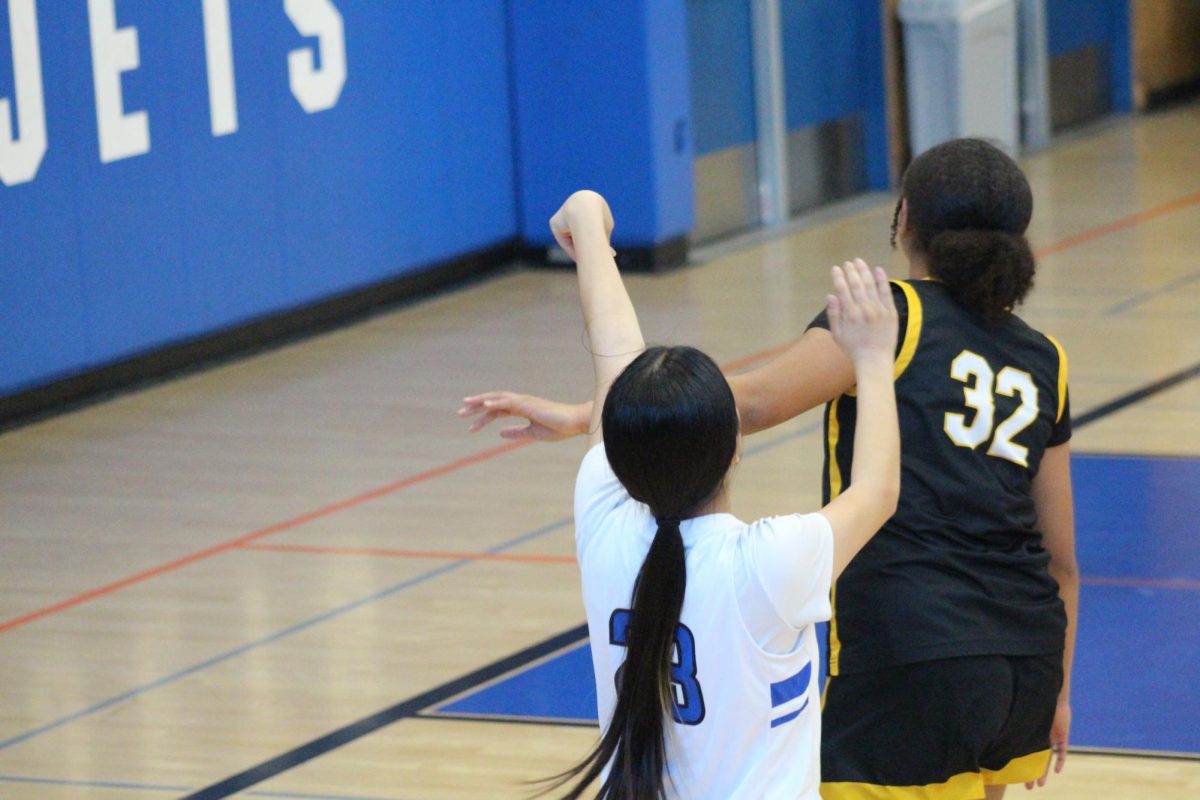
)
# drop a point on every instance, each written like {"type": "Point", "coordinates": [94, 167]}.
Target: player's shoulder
{"type": "Point", "coordinates": [786, 523]}
{"type": "Point", "coordinates": [904, 290]}
{"type": "Point", "coordinates": [1037, 339]}
{"type": "Point", "coordinates": [601, 502]}
{"type": "Point", "coordinates": [774, 536]}
{"type": "Point", "coordinates": [923, 299]}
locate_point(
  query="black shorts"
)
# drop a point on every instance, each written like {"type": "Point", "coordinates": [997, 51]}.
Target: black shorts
{"type": "Point", "coordinates": [938, 730]}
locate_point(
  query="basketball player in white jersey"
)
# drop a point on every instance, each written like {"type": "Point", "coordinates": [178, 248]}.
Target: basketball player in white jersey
{"type": "Point", "coordinates": [702, 625]}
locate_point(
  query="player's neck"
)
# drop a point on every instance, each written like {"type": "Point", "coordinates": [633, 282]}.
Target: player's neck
{"type": "Point", "coordinates": [917, 268]}
{"type": "Point", "coordinates": [720, 504]}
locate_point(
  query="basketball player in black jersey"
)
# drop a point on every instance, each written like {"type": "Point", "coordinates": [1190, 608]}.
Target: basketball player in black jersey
{"type": "Point", "coordinates": [951, 642]}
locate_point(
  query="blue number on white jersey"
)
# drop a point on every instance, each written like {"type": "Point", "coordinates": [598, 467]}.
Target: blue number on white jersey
{"type": "Point", "coordinates": [689, 699]}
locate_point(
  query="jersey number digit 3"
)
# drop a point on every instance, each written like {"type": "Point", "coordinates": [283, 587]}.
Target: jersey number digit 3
{"type": "Point", "coordinates": [688, 708]}
{"type": "Point", "coordinates": [983, 384]}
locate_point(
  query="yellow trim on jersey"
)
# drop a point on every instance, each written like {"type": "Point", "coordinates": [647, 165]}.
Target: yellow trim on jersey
{"type": "Point", "coordinates": [1019, 770]}
{"type": "Point", "coordinates": [835, 488]}
{"type": "Point", "coordinates": [912, 334]}
{"type": "Point", "coordinates": [964, 786]}
{"type": "Point", "coordinates": [835, 471]}
{"type": "Point", "coordinates": [912, 331]}
{"type": "Point", "coordinates": [1062, 377]}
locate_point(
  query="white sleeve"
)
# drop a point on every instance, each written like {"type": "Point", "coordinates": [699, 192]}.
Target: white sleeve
{"type": "Point", "coordinates": [597, 494]}
{"type": "Point", "coordinates": [792, 559]}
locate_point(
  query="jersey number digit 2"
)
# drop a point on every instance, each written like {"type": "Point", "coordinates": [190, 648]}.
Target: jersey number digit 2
{"type": "Point", "coordinates": [983, 384]}
{"type": "Point", "coordinates": [688, 708]}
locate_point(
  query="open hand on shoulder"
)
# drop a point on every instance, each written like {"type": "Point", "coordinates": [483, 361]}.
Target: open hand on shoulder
{"type": "Point", "coordinates": [862, 314]}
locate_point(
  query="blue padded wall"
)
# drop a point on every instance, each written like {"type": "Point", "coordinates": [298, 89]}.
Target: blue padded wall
{"type": "Point", "coordinates": [722, 76]}
{"type": "Point", "coordinates": [413, 165]}
{"type": "Point", "coordinates": [833, 69]}
{"type": "Point", "coordinates": [461, 124]}
{"type": "Point", "coordinates": [601, 102]}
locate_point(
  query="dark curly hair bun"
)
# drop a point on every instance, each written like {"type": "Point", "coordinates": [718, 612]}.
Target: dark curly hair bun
{"type": "Point", "coordinates": [986, 271]}
{"type": "Point", "coordinates": [968, 207]}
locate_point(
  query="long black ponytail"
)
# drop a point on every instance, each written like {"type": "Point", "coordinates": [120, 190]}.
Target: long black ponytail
{"type": "Point", "coordinates": [670, 432]}
{"type": "Point", "coordinates": [968, 207]}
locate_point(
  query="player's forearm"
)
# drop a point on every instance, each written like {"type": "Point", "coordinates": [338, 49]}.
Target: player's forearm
{"type": "Point", "coordinates": [751, 410]}
{"type": "Point", "coordinates": [876, 464]}
{"type": "Point", "coordinates": [608, 314]}
{"type": "Point", "coordinates": [1052, 498]}
{"type": "Point", "coordinates": [581, 417]}
{"type": "Point", "coordinates": [1067, 576]}
{"type": "Point", "coordinates": [862, 509]}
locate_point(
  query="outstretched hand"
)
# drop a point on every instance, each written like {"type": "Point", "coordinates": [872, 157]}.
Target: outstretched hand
{"type": "Point", "coordinates": [862, 314]}
{"type": "Point", "coordinates": [547, 420]}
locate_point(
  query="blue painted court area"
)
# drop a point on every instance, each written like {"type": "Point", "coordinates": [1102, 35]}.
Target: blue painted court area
{"type": "Point", "coordinates": [1137, 679]}
{"type": "Point", "coordinates": [1137, 671]}
{"type": "Point", "coordinates": [559, 689]}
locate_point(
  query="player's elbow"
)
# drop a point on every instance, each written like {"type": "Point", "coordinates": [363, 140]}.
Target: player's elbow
{"type": "Point", "coordinates": [1065, 569]}
{"type": "Point", "coordinates": [751, 406]}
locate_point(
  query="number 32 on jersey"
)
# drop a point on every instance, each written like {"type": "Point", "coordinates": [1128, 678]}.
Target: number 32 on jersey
{"type": "Point", "coordinates": [979, 394]}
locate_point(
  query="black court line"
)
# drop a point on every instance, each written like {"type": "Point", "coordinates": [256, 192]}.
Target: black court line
{"type": "Point", "coordinates": [1136, 396]}
{"type": "Point", "coordinates": [542, 721]}
{"type": "Point", "coordinates": [406, 708]}
{"type": "Point", "coordinates": [422, 702]}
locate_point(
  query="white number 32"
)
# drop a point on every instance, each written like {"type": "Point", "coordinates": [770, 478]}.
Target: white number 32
{"type": "Point", "coordinates": [983, 384]}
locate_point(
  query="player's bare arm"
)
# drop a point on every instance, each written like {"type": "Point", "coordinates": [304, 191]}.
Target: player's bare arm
{"type": "Point", "coordinates": [863, 322]}
{"type": "Point", "coordinates": [813, 370]}
{"type": "Point", "coordinates": [582, 227]}
{"type": "Point", "coordinates": [1052, 497]}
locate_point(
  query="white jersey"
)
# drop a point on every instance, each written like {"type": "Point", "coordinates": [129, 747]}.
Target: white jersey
{"type": "Point", "coordinates": [748, 720]}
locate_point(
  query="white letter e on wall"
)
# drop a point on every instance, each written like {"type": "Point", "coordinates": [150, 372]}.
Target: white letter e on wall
{"type": "Point", "coordinates": [317, 89]}
{"type": "Point", "coordinates": [115, 51]}
{"type": "Point", "coordinates": [19, 160]}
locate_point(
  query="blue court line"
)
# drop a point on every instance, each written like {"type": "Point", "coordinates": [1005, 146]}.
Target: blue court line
{"type": "Point", "coordinates": [175, 790]}
{"type": "Point", "coordinates": [274, 637]}
{"type": "Point", "coordinates": [1150, 294]}
{"type": "Point", "coordinates": [141, 787]}
{"type": "Point", "coordinates": [332, 614]}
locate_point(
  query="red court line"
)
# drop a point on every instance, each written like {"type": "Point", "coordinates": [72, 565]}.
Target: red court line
{"type": "Point", "coordinates": [484, 455]}
{"type": "Point", "coordinates": [1143, 583]}
{"type": "Point", "coordinates": [1120, 225]}
{"type": "Point", "coordinates": [240, 541]}
{"type": "Point", "coordinates": [387, 552]}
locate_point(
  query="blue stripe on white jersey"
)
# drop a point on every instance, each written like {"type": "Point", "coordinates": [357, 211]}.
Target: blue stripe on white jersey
{"type": "Point", "coordinates": [788, 690]}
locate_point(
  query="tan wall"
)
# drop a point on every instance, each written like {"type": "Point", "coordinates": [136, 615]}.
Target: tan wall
{"type": "Point", "coordinates": [1166, 45]}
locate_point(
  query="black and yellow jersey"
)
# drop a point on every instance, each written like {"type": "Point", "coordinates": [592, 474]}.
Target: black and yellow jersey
{"type": "Point", "coordinates": [960, 569]}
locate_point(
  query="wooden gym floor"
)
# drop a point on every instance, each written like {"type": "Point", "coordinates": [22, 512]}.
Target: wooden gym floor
{"type": "Point", "coordinates": [263, 579]}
